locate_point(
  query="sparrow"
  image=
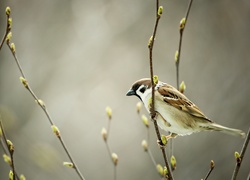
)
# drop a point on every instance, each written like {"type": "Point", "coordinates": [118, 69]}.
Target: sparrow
{"type": "Point", "coordinates": [175, 113]}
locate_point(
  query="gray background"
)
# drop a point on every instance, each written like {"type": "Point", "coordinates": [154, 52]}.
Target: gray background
{"type": "Point", "coordinates": [80, 56]}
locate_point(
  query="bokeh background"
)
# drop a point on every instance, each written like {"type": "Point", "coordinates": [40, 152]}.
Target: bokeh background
{"type": "Point", "coordinates": [81, 56]}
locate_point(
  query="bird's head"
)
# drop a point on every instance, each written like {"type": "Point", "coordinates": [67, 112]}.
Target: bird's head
{"type": "Point", "coordinates": [140, 88]}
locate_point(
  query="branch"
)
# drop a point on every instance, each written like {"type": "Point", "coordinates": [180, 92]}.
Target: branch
{"type": "Point", "coordinates": [42, 105]}
{"type": "Point", "coordinates": [240, 158]}
{"type": "Point", "coordinates": [210, 170]}
{"type": "Point", "coordinates": [10, 149]}
{"type": "Point", "coordinates": [105, 135]}
{"type": "Point", "coordinates": [152, 109]}
{"type": "Point", "coordinates": [8, 26]}
{"type": "Point", "coordinates": [178, 53]}
{"type": "Point", "coordinates": [177, 58]}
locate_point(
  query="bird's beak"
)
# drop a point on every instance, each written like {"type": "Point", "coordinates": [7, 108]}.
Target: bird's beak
{"type": "Point", "coordinates": [131, 92]}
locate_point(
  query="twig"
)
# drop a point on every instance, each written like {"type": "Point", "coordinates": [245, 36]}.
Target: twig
{"type": "Point", "coordinates": [177, 60]}
{"type": "Point", "coordinates": [7, 29]}
{"type": "Point", "coordinates": [11, 153]}
{"type": "Point", "coordinates": [42, 105]}
{"type": "Point", "coordinates": [152, 109]}
{"type": "Point", "coordinates": [242, 153]}
{"type": "Point", "coordinates": [105, 135]}
{"type": "Point", "coordinates": [210, 170]}
{"type": "Point", "coordinates": [182, 27]}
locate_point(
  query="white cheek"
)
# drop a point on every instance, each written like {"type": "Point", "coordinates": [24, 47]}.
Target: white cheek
{"type": "Point", "coordinates": [145, 97]}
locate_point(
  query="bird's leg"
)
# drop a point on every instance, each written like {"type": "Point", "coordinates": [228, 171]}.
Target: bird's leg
{"type": "Point", "coordinates": [172, 135]}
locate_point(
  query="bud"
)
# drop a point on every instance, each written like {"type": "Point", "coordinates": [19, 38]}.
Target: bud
{"type": "Point", "coordinates": [13, 47]}
{"type": "Point", "coordinates": [7, 159]}
{"type": "Point", "coordinates": [182, 87]}
{"type": "Point", "coordinates": [145, 120]}
{"type": "Point", "coordinates": [237, 157]}
{"type": "Point", "coordinates": [7, 11]}
{"type": "Point", "coordinates": [160, 9]}
{"type": "Point", "coordinates": [9, 36]}
{"type": "Point", "coordinates": [182, 23]}
{"type": "Point", "coordinates": [104, 134]}
{"type": "Point", "coordinates": [165, 171]}
{"type": "Point", "coordinates": [114, 158]}
{"type": "Point", "coordinates": [109, 112]}
{"type": "Point", "coordinates": [9, 24]}
{"type": "Point", "coordinates": [22, 177]}
{"type": "Point", "coordinates": [144, 145]}
{"type": "Point", "coordinates": [24, 82]}
{"type": "Point", "coordinates": [11, 175]}
{"type": "Point", "coordinates": [138, 107]}
{"type": "Point", "coordinates": [155, 79]}
{"type": "Point", "coordinates": [55, 130]}
{"type": "Point", "coordinates": [10, 146]}
{"type": "Point", "coordinates": [68, 164]}
{"type": "Point", "coordinates": [212, 164]}
{"type": "Point", "coordinates": [150, 41]}
{"type": "Point", "coordinates": [160, 169]}
{"type": "Point", "coordinates": [173, 162]}
{"type": "Point", "coordinates": [41, 103]}
{"type": "Point", "coordinates": [176, 56]}
{"type": "Point", "coordinates": [164, 140]}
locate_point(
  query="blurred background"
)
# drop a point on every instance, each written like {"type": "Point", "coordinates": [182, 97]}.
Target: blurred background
{"type": "Point", "coordinates": [81, 56]}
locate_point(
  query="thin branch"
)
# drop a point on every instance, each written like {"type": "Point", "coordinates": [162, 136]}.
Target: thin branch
{"type": "Point", "coordinates": [4, 141]}
{"type": "Point", "coordinates": [152, 109]}
{"type": "Point", "coordinates": [105, 135]}
{"type": "Point", "coordinates": [182, 28]}
{"type": "Point", "coordinates": [6, 31]}
{"type": "Point", "coordinates": [242, 153]}
{"type": "Point", "coordinates": [42, 105]}
{"type": "Point", "coordinates": [177, 62]}
{"type": "Point", "coordinates": [210, 170]}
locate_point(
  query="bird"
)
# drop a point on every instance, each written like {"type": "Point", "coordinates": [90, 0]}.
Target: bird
{"type": "Point", "coordinates": [174, 112]}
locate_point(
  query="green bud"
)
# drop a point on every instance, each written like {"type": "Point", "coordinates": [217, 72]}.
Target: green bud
{"type": "Point", "coordinates": [114, 158]}
{"type": "Point", "coordinates": [182, 23]}
{"type": "Point", "coordinates": [68, 164]}
{"type": "Point", "coordinates": [173, 162]}
{"type": "Point", "coordinates": [164, 140]}
{"type": "Point", "coordinates": [155, 79]}
{"type": "Point", "coordinates": [150, 41]}
{"type": "Point", "coordinates": [7, 11]}
{"type": "Point", "coordinates": [212, 164]}
{"type": "Point", "coordinates": [104, 134]}
{"type": "Point", "coordinates": [55, 130]}
{"type": "Point", "coordinates": [160, 9]}
{"type": "Point", "coordinates": [144, 145]}
{"type": "Point", "coordinates": [138, 107]}
{"type": "Point", "coordinates": [145, 120]}
{"type": "Point", "coordinates": [109, 112]}
{"type": "Point", "coordinates": [182, 87]}
{"type": "Point", "coordinates": [160, 169]}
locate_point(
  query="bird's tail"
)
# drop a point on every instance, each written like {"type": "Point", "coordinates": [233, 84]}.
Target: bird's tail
{"type": "Point", "coordinates": [230, 131]}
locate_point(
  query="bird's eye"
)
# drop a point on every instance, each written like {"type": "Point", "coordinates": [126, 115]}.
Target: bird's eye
{"type": "Point", "coordinates": [143, 89]}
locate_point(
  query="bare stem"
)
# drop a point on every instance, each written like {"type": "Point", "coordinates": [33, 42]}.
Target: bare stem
{"type": "Point", "coordinates": [46, 113]}
{"type": "Point", "coordinates": [242, 153]}
{"type": "Point", "coordinates": [152, 109]}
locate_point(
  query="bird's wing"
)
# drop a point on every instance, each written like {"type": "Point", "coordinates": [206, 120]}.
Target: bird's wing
{"type": "Point", "coordinates": [178, 100]}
